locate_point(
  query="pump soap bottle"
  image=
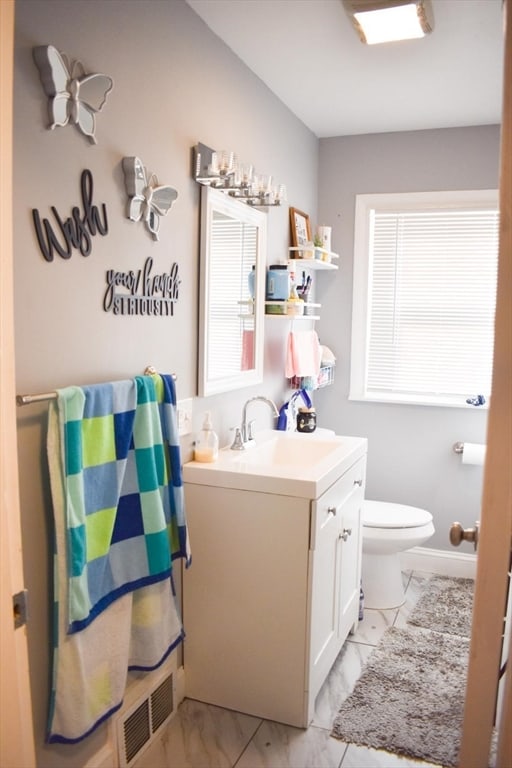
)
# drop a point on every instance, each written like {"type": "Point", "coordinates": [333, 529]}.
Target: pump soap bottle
{"type": "Point", "coordinates": [207, 444]}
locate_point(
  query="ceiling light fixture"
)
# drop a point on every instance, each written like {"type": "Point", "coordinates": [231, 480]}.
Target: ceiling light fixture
{"type": "Point", "coordinates": [383, 21]}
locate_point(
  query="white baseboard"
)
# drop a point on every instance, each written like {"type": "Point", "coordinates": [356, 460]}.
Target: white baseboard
{"type": "Point", "coordinates": [440, 561]}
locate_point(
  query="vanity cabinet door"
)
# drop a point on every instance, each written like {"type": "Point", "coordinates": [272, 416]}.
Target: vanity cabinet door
{"type": "Point", "coordinates": [325, 569]}
{"type": "Point", "coordinates": [350, 563]}
{"type": "Point", "coordinates": [335, 567]}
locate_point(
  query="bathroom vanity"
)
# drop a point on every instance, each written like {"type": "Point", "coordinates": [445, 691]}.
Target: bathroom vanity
{"type": "Point", "coordinates": [273, 589]}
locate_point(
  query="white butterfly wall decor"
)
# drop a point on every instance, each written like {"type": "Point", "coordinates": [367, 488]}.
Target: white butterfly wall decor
{"type": "Point", "coordinates": [73, 95]}
{"type": "Point", "coordinates": [148, 199]}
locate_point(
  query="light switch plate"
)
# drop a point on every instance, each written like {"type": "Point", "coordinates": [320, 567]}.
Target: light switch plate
{"type": "Point", "coordinates": [184, 408]}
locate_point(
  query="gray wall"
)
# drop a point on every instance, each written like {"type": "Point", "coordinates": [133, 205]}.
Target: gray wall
{"type": "Point", "coordinates": [175, 84]}
{"type": "Point", "coordinates": [410, 457]}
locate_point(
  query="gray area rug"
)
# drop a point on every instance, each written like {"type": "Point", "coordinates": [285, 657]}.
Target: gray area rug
{"type": "Point", "coordinates": [446, 605]}
{"type": "Point", "coordinates": [410, 697]}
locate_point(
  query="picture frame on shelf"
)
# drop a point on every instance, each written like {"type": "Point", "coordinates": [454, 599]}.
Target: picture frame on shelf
{"type": "Point", "coordinates": [300, 227]}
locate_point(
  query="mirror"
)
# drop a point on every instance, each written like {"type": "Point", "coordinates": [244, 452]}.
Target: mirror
{"type": "Point", "coordinates": [232, 285]}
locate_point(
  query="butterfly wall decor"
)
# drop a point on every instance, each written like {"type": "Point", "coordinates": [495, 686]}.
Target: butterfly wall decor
{"type": "Point", "coordinates": [147, 199]}
{"type": "Point", "coordinates": [73, 95]}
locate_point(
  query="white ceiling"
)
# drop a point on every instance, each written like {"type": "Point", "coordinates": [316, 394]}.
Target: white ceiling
{"type": "Point", "coordinates": [309, 55]}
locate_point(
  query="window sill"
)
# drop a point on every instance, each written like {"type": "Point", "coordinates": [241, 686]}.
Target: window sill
{"type": "Point", "coordinates": [402, 399]}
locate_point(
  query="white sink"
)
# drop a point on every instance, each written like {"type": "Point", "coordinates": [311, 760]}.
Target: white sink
{"type": "Point", "coordinates": [292, 450]}
{"type": "Point", "coordinates": [287, 463]}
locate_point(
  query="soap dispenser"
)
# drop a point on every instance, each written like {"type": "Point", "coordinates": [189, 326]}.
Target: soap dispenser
{"type": "Point", "coordinates": [207, 444]}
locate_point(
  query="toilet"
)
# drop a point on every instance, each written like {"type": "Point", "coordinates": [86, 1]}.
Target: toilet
{"type": "Point", "coordinates": [389, 529]}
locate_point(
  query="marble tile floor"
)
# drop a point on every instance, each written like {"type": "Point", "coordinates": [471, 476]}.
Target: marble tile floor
{"type": "Point", "coordinates": [205, 736]}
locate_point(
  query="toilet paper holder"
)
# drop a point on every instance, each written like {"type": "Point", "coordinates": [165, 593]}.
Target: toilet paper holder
{"type": "Point", "coordinates": [471, 453]}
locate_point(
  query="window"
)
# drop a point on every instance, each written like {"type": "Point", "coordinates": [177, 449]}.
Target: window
{"type": "Point", "coordinates": [425, 272]}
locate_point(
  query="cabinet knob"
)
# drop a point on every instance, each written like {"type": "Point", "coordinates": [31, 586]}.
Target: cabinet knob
{"type": "Point", "coordinates": [346, 533]}
{"type": "Point", "coordinates": [358, 482]}
{"type": "Point", "coordinates": [331, 511]}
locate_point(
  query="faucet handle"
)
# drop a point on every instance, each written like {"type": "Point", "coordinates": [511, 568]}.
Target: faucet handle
{"type": "Point", "coordinates": [237, 444]}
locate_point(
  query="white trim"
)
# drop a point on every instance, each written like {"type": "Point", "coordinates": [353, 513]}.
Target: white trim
{"type": "Point", "coordinates": [440, 561]}
{"type": "Point", "coordinates": [436, 199]}
{"type": "Point", "coordinates": [402, 399]}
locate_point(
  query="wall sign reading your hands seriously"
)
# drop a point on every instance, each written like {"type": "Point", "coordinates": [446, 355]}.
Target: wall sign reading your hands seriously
{"type": "Point", "coordinates": [147, 199]}
{"type": "Point", "coordinates": [73, 95]}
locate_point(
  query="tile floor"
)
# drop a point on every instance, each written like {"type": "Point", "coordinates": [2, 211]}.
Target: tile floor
{"type": "Point", "coordinates": [204, 736]}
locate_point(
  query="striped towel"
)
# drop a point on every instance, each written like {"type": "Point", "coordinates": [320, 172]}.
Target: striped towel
{"type": "Point", "coordinates": [129, 426]}
{"type": "Point", "coordinates": [123, 490]}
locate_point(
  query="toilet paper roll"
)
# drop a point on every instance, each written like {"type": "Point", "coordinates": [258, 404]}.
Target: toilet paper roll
{"type": "Point", "coordinates": [474, 453]}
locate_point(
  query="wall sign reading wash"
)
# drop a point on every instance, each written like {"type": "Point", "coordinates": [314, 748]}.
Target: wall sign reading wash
{"type": "Point", "coordinates": [75, 232]}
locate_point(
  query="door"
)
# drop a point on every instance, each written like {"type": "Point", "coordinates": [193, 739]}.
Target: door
{"type": "Point", "coordinates": [335, 552]}
{"type": "Point", "coordinates": [16, 737]}
{"type": "Point", "coordinates": [325, 598]}
{"type": "Point", "coordinates": [350, 576]}
{"type": "Point", "coordinates": [495, 532]}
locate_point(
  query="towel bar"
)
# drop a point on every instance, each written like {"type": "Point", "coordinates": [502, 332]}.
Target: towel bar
{"type": "Point", "coordinates": [27, 399]}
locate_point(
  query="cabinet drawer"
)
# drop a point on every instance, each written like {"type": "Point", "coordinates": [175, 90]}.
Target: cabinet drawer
{"type": "Point", "coordinates": [328, 508]}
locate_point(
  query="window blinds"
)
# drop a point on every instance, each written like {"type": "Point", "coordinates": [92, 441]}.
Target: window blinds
{"type": "Point", "coordinates": [233, 250]}
{"type": "Point", "coordinates": [431, 302]}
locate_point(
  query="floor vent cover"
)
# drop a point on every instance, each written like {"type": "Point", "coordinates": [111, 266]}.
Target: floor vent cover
{"type": "Point", "coordinates": [137, 726]}
{"type": "Point", "coordinates": [136, 731]}
{"type": "Point", "coordinates": [161, 703]}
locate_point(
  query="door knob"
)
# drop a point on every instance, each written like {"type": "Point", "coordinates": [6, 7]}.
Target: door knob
{"type": "Point", "coordinates": [459, 534]}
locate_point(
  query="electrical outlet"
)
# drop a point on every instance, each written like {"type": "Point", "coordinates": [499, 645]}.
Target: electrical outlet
{"type": "Point", "coordinates": [184, 408]}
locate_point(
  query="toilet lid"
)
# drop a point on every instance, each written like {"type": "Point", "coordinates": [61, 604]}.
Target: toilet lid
{"type": "Point", "coordinates": [383, 514]}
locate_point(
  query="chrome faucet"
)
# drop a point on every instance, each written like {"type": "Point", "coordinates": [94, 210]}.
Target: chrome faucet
{"type": "Point", "coordinates": [247, 427]}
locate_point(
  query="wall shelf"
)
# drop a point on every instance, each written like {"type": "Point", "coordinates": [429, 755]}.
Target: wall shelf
{"type": "Point", "coordinates": [294, 317]}
{"type": "Point", "coordinates": [290, 316]}
{"type": "Point", "coordinates": [296, 262]}
{"type": "Point", "coordinates": [312, 263]}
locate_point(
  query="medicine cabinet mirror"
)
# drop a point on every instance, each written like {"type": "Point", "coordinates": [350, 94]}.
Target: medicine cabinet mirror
{"type": "Point", "coordinates": [232, 284]}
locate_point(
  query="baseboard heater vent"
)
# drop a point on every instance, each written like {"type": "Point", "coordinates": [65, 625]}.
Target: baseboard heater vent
{"type": "Point", "coordinates": [138, 725]}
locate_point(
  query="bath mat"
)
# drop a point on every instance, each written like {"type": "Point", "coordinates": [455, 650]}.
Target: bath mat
{"type": "Point", "coordinates": [446, 605]}
{"type": "Point", "coordinates": [410, 697]}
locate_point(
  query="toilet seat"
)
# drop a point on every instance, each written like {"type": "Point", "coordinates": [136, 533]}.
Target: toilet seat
{"type": "Point", "coordinates": [383, 514]}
